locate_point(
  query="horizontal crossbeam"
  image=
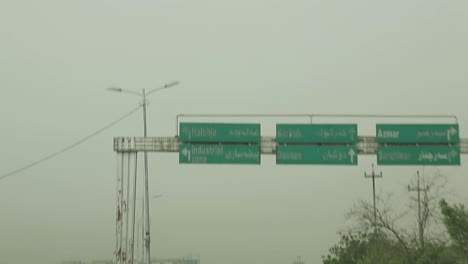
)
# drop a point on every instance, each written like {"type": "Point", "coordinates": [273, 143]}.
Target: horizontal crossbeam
{"type": "Point", "coordinates": [366, 145]}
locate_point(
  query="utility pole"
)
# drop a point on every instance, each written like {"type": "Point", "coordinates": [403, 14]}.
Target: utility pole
{"type": "Point", "coordinates": [298, 260]}
{"type": "Point", "coordinates": [420, 221]}
{"type": "Point", "coordinates": [373, 175]}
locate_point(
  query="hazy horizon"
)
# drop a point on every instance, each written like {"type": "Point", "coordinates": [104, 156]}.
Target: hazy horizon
{"type": "Point", "coordinates": [243, 57]}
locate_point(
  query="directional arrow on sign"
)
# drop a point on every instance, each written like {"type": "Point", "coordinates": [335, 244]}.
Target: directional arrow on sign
{"type": "Point", "coordinates": [186, 153]}
{"type": "Point", "coordinates": [453, 155]}
{"type": "Point", "coordinates": [351, 155]}
{"type": "Point", "coordinates": [451, 132]}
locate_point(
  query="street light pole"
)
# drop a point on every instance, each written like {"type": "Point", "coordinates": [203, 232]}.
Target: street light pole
{"type": "Point", "coordinates": [143, 95]}
{"type": "Point", "coordinates": [147, 224]}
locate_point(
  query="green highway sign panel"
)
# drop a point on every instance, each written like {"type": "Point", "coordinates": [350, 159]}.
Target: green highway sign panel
{"type": "Point", "coordinates": [316, 133]}
{"type": "Point", "coordinates": [427, 155]}
{"type": "Point", "coordinates": [219, 132]}
{"type": "Point", "coordinates": [219, 154]}
{"type": "Point", "coordinates": [406, 133]}
{"type": "Point", "coordinates": [327, 155]}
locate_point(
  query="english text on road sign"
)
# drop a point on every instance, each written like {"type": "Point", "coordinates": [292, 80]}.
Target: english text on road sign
{"type": "Point", "coordinates": [219, 132]}
{"type": "Point", "coordinates": [311, 154]}
{"type": "Point", "coordinates": [409, 133]}
{"type": "Point", "coordinates": [219, 154]}
{"type": "Point", "coordinates": [422, 155]}
{"type": "Point", "coordinates": [316, 133]}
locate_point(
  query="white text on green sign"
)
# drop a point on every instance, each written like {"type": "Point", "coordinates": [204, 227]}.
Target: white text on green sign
{"type": "Point", "coordinates": [311, 154]}
{"type": "Point", "coordinates": [316, 133]}
{"type": "Point", "coordinates": [409, 133]}
{"type": "Point", "coordinates": [219, 132]}
{"type": "Point", "coordinates": [219, 154]}
{"type": "Point", "coordinates": [423, 155]}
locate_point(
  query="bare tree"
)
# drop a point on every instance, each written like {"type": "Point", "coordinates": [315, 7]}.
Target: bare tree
{"type": "Point", "coordinates": [430, 188]}
{"type": "Point", "coordinates": [386, 219]}
{"type": "Point", "coordinates": [391, 221]}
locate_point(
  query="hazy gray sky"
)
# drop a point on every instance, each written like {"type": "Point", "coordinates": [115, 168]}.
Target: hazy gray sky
{"type": "Point", "coordinates": [256, 56]}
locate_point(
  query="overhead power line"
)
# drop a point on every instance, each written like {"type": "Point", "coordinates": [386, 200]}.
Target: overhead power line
{"type": "Point", "coordinates": [69, 147]}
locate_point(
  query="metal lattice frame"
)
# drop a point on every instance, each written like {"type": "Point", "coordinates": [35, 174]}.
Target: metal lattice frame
{"type": "Point", "coordinates": [366, 145]}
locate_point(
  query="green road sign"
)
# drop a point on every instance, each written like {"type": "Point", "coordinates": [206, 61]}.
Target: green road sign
{"type": "Point", "coordinates": [331, 155]}
{"type": "Point", "coordinates": [404, 133]}
{"type": "Point", "coordinates": [316, 133]}
{"type": "Point", "coordinates": [427, 155]}
{"type": "Point", "coordinates": [219, 132]}
{"type": "Point", "coordinates": [219, 154]}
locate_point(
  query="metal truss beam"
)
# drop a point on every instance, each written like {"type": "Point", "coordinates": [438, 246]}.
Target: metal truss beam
{"type": "Point", "coordinates": [366, 145]}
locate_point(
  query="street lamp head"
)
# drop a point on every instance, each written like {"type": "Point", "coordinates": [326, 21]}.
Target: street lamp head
{"type": "Point", "coordinates": [174, 83]}
{"type": "Point", "coordinates": [166, 86]}
{"type": "Point", "coordinates": [118, 89]}
{"type": "Point", "coordinates": [115, 89]}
